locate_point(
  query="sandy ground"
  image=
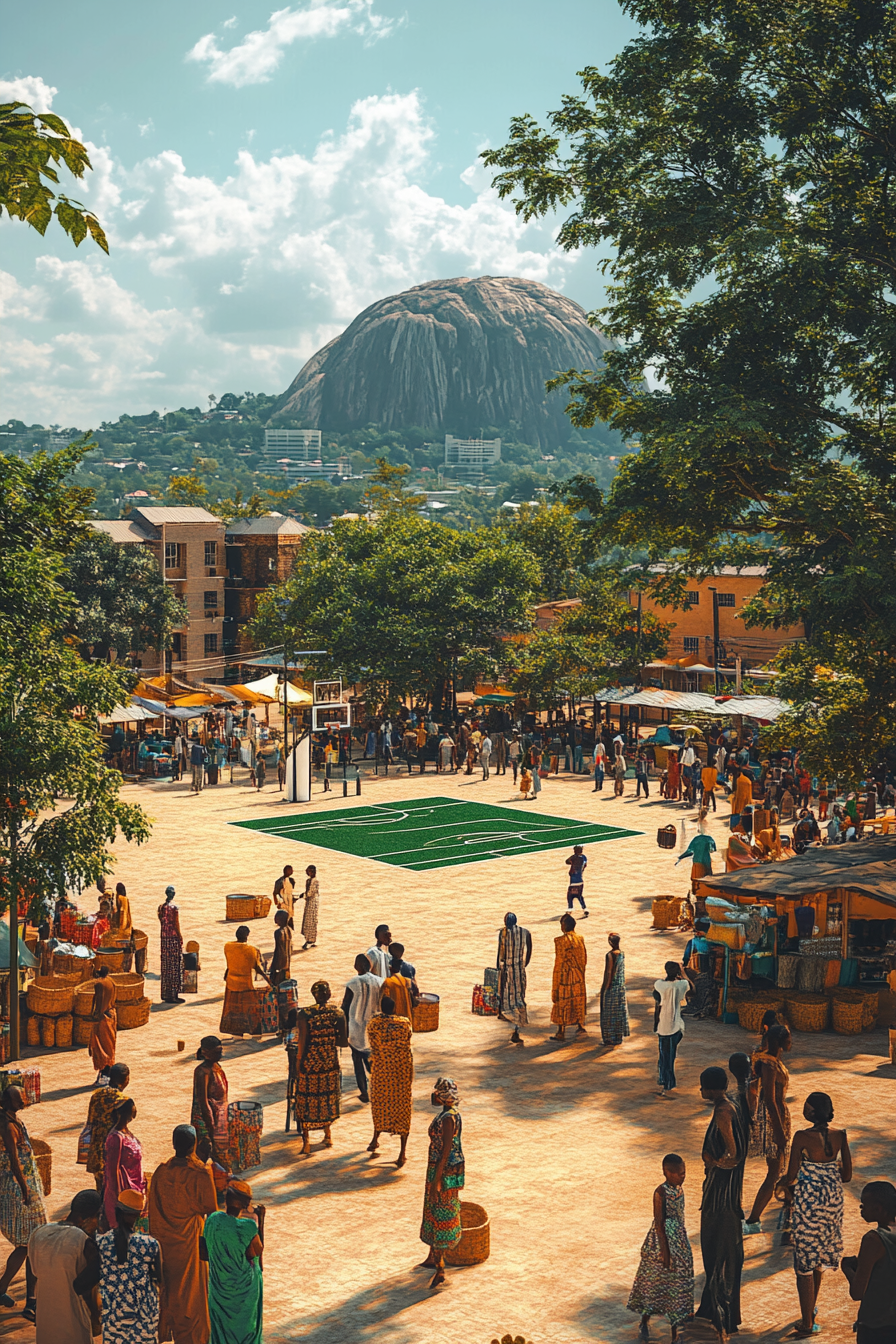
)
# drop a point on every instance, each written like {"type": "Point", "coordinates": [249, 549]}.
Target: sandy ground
{"type": "Point", "coordinates": [563, 1142]}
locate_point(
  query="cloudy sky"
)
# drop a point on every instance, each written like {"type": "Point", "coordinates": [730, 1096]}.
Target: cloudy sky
{"type": "Point", "coordinates": [263, 176]}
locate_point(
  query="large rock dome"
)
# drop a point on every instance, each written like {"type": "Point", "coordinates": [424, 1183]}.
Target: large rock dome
{"type": "Point", "coordinates": [453, 356]}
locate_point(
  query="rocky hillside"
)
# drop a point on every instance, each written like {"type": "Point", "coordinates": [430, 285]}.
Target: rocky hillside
{"type": "Point", "coordinates": [454, 356]}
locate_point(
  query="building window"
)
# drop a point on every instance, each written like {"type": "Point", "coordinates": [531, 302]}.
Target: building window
{"type": "Point", "coordinates": [211, 553]}
{"type": "Point", "coordinates": [726, 599]}
{"type": "Point", "coordinates": [691, 644]}
{"type": "Point", "coordinates": [211, 597]}
{"type": "Point", "coordinates": [272, 563]}
{"type": "Point", "coordinates": [692, 599]}
{"type": "Point", "coordinates": [211, 644]}
{"type": "Point", "coordinates": [177, 643]}
{"type": "Point", "coordinates": [174, 555]}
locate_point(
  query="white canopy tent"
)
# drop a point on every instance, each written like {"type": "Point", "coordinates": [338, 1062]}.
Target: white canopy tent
{"type": "Point", "coordinates": [272, 686]}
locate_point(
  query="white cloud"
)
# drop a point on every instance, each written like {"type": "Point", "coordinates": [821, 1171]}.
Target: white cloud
{"type": "Point", "coordinates": [146, 127]}
{"type": "Point", "coordinates": [30, 89]}
{"type": "Point", "coordinates": [254, 60]}
{"type": "Point", "coordinates": [236, 283]}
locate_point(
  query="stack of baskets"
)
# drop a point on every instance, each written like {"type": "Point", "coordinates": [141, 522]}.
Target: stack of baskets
{"type": "Point", "coordinates": [50, 1000]}
{"type": "Point", "coordinates": [131, 1007]}
{"type": "Point", "coordinates": [65, 963]}
{"type": "Point", "coordinates": [752, 1010]}
{"type": "Point", "coordinates": [807, 1012]}
{"type": "Point", "coordinates": [668, 911]}
{"type": "Point", "coordinates": [141, 943]}
{"type": "Point", "coordinates": [854, 1010]}
{"type": "Point", "coordinates": [241, 907]}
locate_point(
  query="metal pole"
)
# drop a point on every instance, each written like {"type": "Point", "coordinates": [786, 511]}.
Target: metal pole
{"type": "Point", "coordinates": [715, 637]}
{"type": "Point", "coordinates": [285, 714]}
{"type": "Point", "coordinates": [13, 941]}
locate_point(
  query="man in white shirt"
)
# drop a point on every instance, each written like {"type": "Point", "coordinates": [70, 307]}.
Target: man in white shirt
{"type": "Point", "coordinates": [361, 1001]}
{"type": "Point", "coordinates": [485, 754]}
{"type": "Point", "coordinates": [57, 1254]}
{"type": "Point", "coordinates": [515, 751]}
{"type": "Point", "coordinates": [668, 1022]}
{"type": "Point", "coordinates": [379, 956]}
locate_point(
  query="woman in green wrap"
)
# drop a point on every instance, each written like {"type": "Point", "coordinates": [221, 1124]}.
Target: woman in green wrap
{"type": "Point", "coordinates": [232, 1244]}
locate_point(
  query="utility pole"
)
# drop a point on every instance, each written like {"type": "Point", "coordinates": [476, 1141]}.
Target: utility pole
{"type": "Point", "coordinates": [715, 636]}
{"type": "Point", "coordinates": [14, 1047]}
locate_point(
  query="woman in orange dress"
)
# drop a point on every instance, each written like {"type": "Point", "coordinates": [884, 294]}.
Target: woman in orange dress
{"type": "Point", "coordinates": [568, 993]}
{"type": "Point", "coordinates": [105, 1023]}
{"type": "Point", "coordinates": [240, 1015]}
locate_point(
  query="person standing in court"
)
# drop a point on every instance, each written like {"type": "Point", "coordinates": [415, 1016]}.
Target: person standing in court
{"type": "Point", "coordinates": [391, 1077]}
{"type": "Point", "coordinates": [360, 1001]}
{"type": "Point", "coordinates": [613, 1007]}
{"type": "Point", "coordinates": [285, 893]}
{"type": "Point", "coordinates": [514, 955]}
{"type": "Point", "coordinates": [282, 958]}
{"type": "Point", "coordinates": [311, 898]}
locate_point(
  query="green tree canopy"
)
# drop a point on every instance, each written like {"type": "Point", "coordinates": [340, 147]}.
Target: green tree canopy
{"type": "Point", "coordinates": [737, 158]}
{"type": "Point", "coordinates": [122, 603]}
{"type": "Point", "coordinates": [401, 602]}
{"type": "Point", "coordinates": [552, 533]}
{"type": "Point", "coordinates": [387, 493]}
{"type": "Point", "coordinates": [30, 145]}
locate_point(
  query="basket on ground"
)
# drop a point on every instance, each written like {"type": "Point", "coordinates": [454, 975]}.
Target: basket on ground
{"type": "Point", "coordinates": [847, 1017]}
{"type": "Point", "coordinates": [128, 987]}
{"type": "Point", "coordinates": [474, 1246]}
{"type": "Point", "coordinates": [66, 963]}
{"type": "Point", "coordinates": [32, 1030]}
{"type": "Point", "coordinates": [82, 1029]}
{"type": "Point", "coordinates": [141, 943]}
{"type": "Point", "coordinates": [425, 1014]}
{"type": "Point", "coordinates": [64, 1031]}
{"type": "Point", "coordinates": [262, 907]}
{"type": "Point", "coordinates": [807, 1012]}
{"type": "Point", "coordinates": [750, 1012]}
{"type": "Point", "coordinates": [43, 1160]}
{"type": "Point", "coordinates": [113, 957]}
{"type": "Point", "coordinates": [667, 836]}
{"type": "Point", "coordinates": [241, 907]}
{"type": "Point", "coordinates": [52, 995]}
{"type": "Point", "coordinates": [135, 1014]}
{"type": "Point", "coordinates": [47, 1032]}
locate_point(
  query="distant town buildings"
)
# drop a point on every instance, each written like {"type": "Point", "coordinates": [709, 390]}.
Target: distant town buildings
{"type": "Point", "coordinates": [297, 455]}
{"type": "Point", "coordinates": [470, 457]}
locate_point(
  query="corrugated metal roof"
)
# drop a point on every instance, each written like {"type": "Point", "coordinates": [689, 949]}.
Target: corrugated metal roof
{"type": "Point", "coordinates": [120, 529]}
{"type": "Point", "coordinates": [270, 525]}
{"type": "Point", "coordinates": [868, 866]}
{"type": "Point", "coordinates": [176, 514]}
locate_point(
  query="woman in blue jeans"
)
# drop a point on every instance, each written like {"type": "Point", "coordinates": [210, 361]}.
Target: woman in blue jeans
{"type": "Point", "coordinates": [668, 1023]}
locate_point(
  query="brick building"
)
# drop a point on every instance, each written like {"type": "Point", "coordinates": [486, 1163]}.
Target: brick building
{"type": "Point", "coordinates": [259, 552]}
{"type": "Point", "coordinates": [188, 544]}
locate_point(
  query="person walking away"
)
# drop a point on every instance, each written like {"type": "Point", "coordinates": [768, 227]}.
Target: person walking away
{"type": "Point", "coordinates": [514, 753]}
{"type": "Point", "coordinates": [619, 769]}
{"type": "Point", "coordinates": [197, 765]}
{"type": "Point", "coordinates": [613, 1007]}
{"type": "Point", "coordinates": [57, 1254]}
{"type": "Point", "coordinates": [100, 1114]}
{"type": "Point", "coordinates": [104, 1030]}
{"type": "Point", "coordinates": [641, 768]}
{"type": "Point", "coordinates": [260, 772]}
{"type": "Point", "coordinates": [391, 1077]}
{"type": "Point", "coordinates": [360, 1001]}
{"type": "Point", "coordinates": [577, 863]}
{"type": "Point", "coordinates": [445, 753]}
{"type": "Point", "coordinates": [664, 1284]}
{"type": "Point", "coordinates": [233, 1246]}
{"type": "Point", "coordinates": [320, 1032]}
{"type": "Point", "coordinates": [311, 897]}
{"type": "Point", "coordinates": [772, 1118]}
{"type": "Point", "coordinates": [240, 1014]}
{"type": "Point", "coordinates": [285, 893]}
{"type": "Point", "coordinates": [500, 752]}
{"type": "Point", "coordinates": [514, 955]}
{"type": "Point", "coordinates": [21, 1194]}
{"type": "Point", "coordinates": [281, 960]}
{"type": "Point", "coordinates": [871, 1274]}
{"type": "Point", "coordinates": [128, 1271]}
{"type": "Point", "coordinates": [741, 796]}
{"type": "Point", "coordinates": [445, 1176]}
{"type": "Point", "coordinates": [208, 1113]}
{"type": "Point", "coordinates": [378, 955]}
{"type": "Point", "coordinates": [668, 1023]}
{"type": "Point", "coordinates": [568, 994]}
{"type": "Point", "coordinates": [820, 1165]}
{"type": "Point", "coordinates": [401, 988]}
{"type": "Point", "coordinates": [699, 851]}
{"type": "Point", "coordinates": [122, 922]}
{"type": "Point", "coordinates": [485, 754]}
{"type": "Point", "coordinates": [172, 956]}
{"type": "Point", "coordinates": [709, 778]}
{"type": "Point", "coordinates": [123, 1160]}
{"type": "Point", "coordinates": [721, 1239]}
{"type": "Point", "coordinates": [181, 1195]}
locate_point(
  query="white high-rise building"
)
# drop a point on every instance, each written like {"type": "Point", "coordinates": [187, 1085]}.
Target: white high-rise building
{"type": "Point", "coordinates": [471, 456]}
{"type": "Point", "coordinates": [302, 445]}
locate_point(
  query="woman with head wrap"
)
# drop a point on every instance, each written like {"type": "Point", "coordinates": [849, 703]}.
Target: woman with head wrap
{"type": "Point", "coordinates": [320, 1031]}
{"type": "Point", "coordinates": [514, 955]}
{"type": "Point", "coordinates": [21, 1193]}
{"type": "Point", "coordinates": [233, 1243]}
{"type": "Point", "coordinates": [208, 1115]}
{"type": "Point", "coordinates": [182, 1193]}
{"type": "Point", "coordinates": [240, 1014]}
{"type": "Point", "coordinates": [441, 1226]}
{"type": "Point", "coordinates": [128, 1271]}
{"type": "Point", "coordinates": [172, 958]}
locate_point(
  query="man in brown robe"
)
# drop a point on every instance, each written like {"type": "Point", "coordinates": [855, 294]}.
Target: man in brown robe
{"type": "Point", "coordinates": [181, 1193]}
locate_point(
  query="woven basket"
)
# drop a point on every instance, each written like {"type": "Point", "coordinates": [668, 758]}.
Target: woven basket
{"type": "Point", "coordinates": [750, 1012]}
{"type": "Point", "coordinates": [425, 1014]}
{"type": "Point", "coordinates": [64, 963]}
{"type": "Point", "coordinates": [134, 1014]}
{"type": "Point", "coordinates": [660, 911]}
{"type": "Point", "coordinates": [128, 987]}
{"type": "Point", "coordinates": [667, 837]}
{"type": "Point", "coordinates": [474, 1246]}
{"type": "Point", "coordinates": [240, 908]}
{"type": "Point", "coordinates": [43, 1160]}
{"type": "Point", "coordinates": [82, 1029]}
{"type": "Point", "coordinates": [82, 1005]}
{"type": "Point", "coordinates": [32, 1030]}
{"type": "Point", "coordinates": [847, 1017]}
{"type": "Point", "coordinates": [48, 1032]}
{"type": "Point", "coordinates": [139, 939]}
{"type": "Point", "coordinates": [810, 1012]}
{"type": "Point", "coordinates": [51, 995]}
{"type": "Point", "coordinates": [870, 1008]}
{"type": "Point", "coordinates": [64, 1032]}
{"type": "Point", "coordinates": [262, 907]}
{"type": "Point", "coordinates": [113, 957]}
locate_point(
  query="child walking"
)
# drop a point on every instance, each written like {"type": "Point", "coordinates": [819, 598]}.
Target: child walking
{"type": "Point", "coordinates": [577, 863]}
{"type": "Point", "coordinates": [664, 1284]}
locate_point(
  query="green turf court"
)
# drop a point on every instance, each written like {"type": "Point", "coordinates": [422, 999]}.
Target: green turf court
{"type": "Point", "coordinates": [434, 832]}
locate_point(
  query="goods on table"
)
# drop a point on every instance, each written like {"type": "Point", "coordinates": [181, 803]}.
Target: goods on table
{"type": "Point", "coordinates": [133, 1014]}
{"type": "Point", "coordinates": [474, 1246]}
{"type": "Point", "coordinates": [246, 1121]}
{"type": "Point", "coordinates": [425, 1014]}
{"type": "Point", "coordinates": [27, 1079]}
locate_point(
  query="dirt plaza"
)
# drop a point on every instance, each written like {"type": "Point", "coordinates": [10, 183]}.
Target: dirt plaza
{"type": "Point", "coordinates": [563, 1142]}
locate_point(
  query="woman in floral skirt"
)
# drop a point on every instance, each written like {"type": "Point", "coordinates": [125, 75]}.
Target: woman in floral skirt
{"type": "Point", "coordinates": [441, 1227]}
{"type": "Point", "coordinates": [664, 1284]}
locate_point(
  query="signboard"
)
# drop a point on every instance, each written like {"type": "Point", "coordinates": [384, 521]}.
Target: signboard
{"type": "Point", "coordinates": [330, 716]}
{"type": "Point", "coordinates": [328, 692]}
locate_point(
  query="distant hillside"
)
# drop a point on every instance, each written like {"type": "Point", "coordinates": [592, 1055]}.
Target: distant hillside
{"type": "Point", "coordinates": [456, 356]}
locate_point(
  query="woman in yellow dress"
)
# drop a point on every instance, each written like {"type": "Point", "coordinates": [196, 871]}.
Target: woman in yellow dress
{"type": "Point", "coordinates": [121, 915]}
{"type": "Point", "coordinates": [568, 994]}
{"type": "Point", "coordinates": [391, 1076]}
{"type": "Point", "coordinates": [240, 1016]}
{"type": "Point", "coordinates": [742, 796]}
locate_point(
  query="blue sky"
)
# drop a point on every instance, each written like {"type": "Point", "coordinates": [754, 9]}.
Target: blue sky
{"type": "Point", "coordinates": [264, 175]}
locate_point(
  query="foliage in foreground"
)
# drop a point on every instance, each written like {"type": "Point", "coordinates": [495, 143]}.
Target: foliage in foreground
{"type": "Point", "coordinates": [31, 144]}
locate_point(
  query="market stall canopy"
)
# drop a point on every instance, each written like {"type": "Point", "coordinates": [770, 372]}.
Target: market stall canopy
{"type": "Point", "coordinates": [867, 866]}
{"type": "Point", "coordinates": [27, 959]}
{"type": "Point", "coordinates": [273, 687]}
{"type": "Point", "coordinates": [495, 699]}
{"type": "Point", "coordinates": [767, 707]}
{"type": "Point", "coordinates": [246, 696]}
{"type": "Point", "coordinates": [170, 711]}
{"type": "Point", "coordinates": [127, 714]}
{"type": "Point", "coordinates": [195, 699]}
{"type": "Point", "coordinates": [276, 659]}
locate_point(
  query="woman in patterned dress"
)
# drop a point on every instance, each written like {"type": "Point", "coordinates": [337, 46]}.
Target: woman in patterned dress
{"type": "Point", "coordinates": [441, 1227]}
{"type": "Point", "coordinates": [820, 1165]}
{"type": "Point", "coordinates": [664, 1284]}
{"type": "Point", "coordinates": [172, 949]}
{"type": "Point", "coordinates": [391, 1076]}
{"type": "Point", "coordinates": [21, 1194]}
{"type": "Point", "coordinates": [568, 994]}
{"type": "Point", "coordinates": [772, 1128]}
{"type": "Point", "coordinates": [128, 1271]}
{"type": "Point", "coordinates": [311, 899]}
{"type": "Point", "coordinates": [613, 1007]}
{"type": "Point", "coordinates": [208, 1115]}
{"type": "Point", "coordinates": [320, 1031]}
